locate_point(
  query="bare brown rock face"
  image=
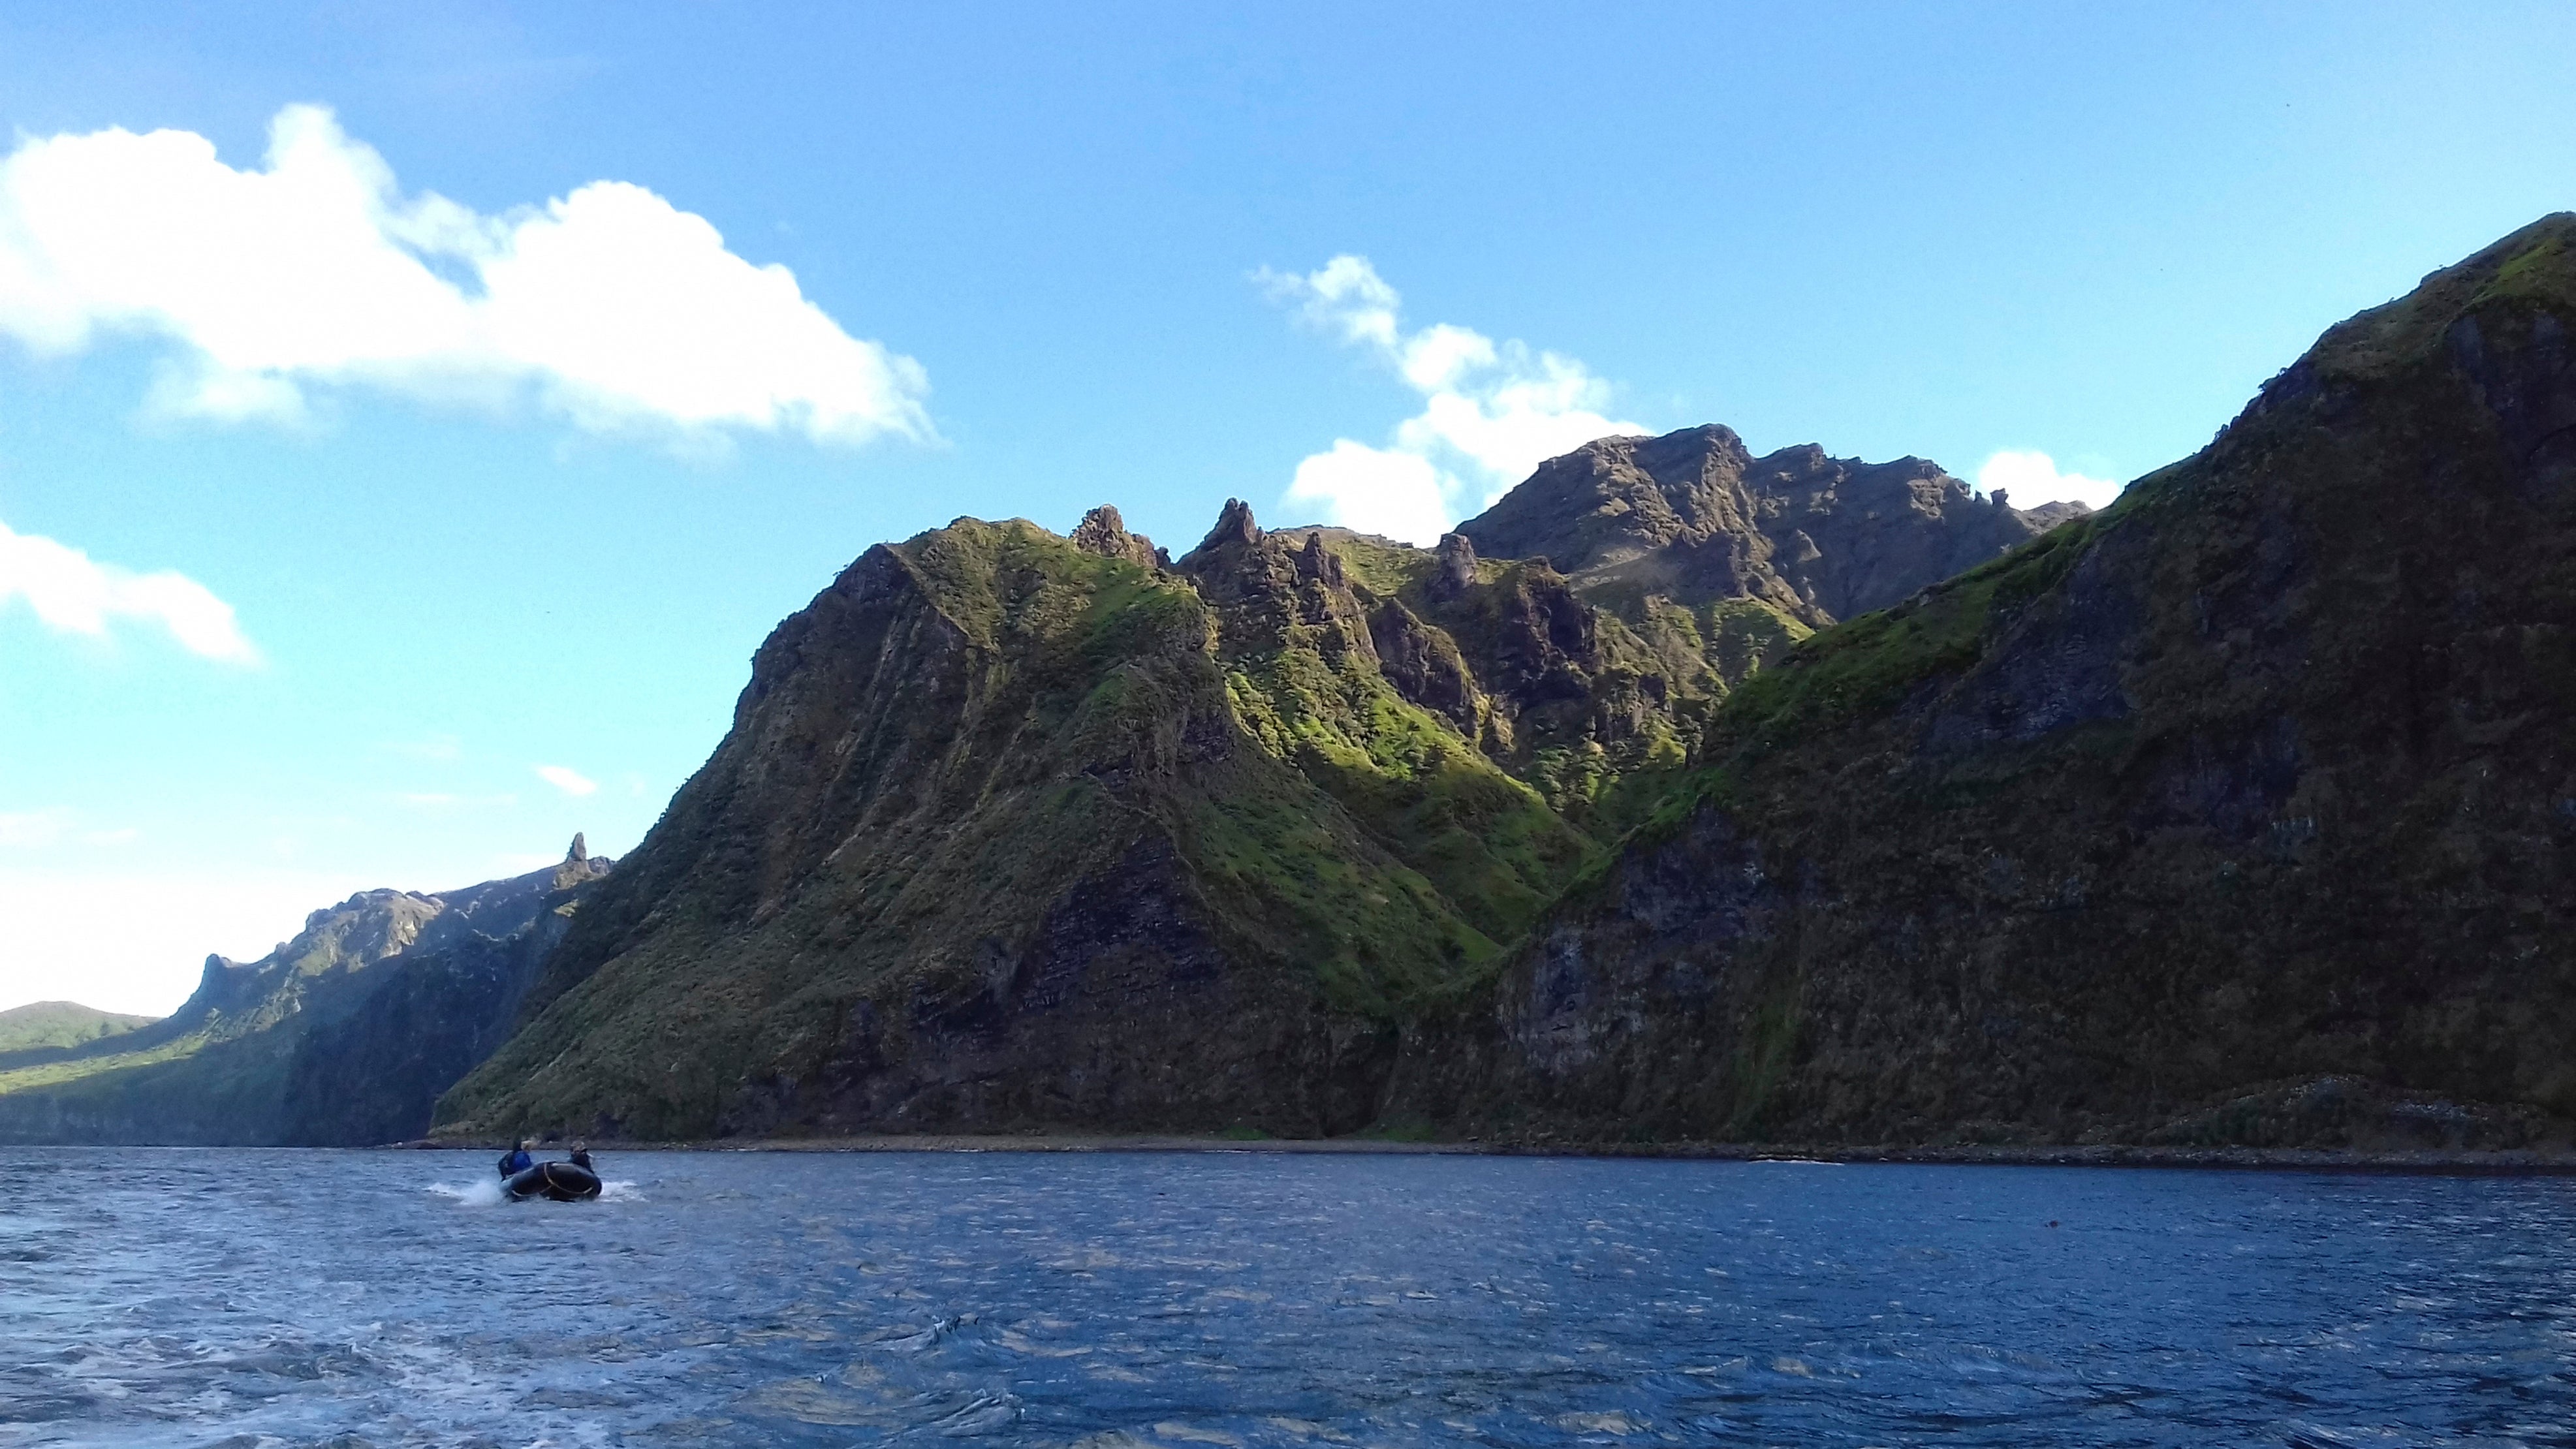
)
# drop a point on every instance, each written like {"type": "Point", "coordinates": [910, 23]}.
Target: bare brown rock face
{"type": "Point", "coordinates": [1693, 516]}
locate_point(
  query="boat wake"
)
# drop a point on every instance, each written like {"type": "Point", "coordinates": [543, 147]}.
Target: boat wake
{"type": "Point", "coordinates": [485, 1192]}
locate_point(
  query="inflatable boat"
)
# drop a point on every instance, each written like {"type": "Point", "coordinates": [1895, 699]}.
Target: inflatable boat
{"type": "Point", "coordinates": [560, 1181]}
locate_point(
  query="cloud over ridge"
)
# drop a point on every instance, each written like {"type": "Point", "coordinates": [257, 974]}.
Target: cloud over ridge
{"type": "Point", "coordinates": [2032, 477]}
{"type": "Point", "coordinates": [1491, 412]}
{"type": "Point", "coordinates": [74, 594]}
{"type": "Point", "coordinates": [568, 780]}
{"type": "Point", "coordinates": [608, 306]}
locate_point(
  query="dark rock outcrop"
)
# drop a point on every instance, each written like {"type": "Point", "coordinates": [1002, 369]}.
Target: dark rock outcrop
{"type": "Point", "coordinates": [1693, 516]}
{"type": "Point", "coordinates": [1234, 530]}
{"type": "Point", "coordinates": [1103, 532]}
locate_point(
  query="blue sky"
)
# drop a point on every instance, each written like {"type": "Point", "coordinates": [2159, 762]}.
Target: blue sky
{"type": "Point", "coordinates": [1032, 261]}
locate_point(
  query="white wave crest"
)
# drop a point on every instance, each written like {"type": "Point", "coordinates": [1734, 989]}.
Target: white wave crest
{"type": "Point", "coordinates": [482, 1192]}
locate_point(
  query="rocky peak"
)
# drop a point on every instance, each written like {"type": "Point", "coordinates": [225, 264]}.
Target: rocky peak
{"type": "Point", "coordinates": [224, 985]}
{"type": "Point", "coordinates": [1251, 578]}
{"type": "Point", "coordinates": [1614, 499]}
{"type": "Point", "coordinates": [578, 865]}
{"type": "Point", "coordinates": [1103, 532]}
{"type": "Point", "coordinates": [1694, 517]}
{"type": "Point", "coordinates": [1318, 564]}
{"type": "Point", "coordinates": [367, 927]}
{"type": "Point", "coordinates": [1453, 567]}
{"type": "Point", "coordinates": [1234, 526]}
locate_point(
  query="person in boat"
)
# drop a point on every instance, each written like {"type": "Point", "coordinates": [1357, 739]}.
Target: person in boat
{"type": "Point", "coordinates": [581, 1157]}
{"type": "Point", "coordinates": [518, 1161]}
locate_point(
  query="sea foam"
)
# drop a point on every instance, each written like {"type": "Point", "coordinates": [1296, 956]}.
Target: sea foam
{"type": "Point", "coordinates": [482, 1192]}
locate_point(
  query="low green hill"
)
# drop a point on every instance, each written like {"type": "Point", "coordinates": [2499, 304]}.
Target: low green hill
{"type": "Point", "coordinates": [61, 1024]}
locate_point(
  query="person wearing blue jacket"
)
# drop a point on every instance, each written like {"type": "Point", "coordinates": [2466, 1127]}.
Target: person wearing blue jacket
{"type": "Point", "coordinates": [518, 1161]}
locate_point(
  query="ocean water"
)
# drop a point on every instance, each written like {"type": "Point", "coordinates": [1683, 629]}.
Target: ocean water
{"type": "Point", "coordinates": [255, 1298]}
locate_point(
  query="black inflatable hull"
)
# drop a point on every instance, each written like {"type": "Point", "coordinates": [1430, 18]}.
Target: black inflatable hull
{"type": "Point", "coordinates": [560, 1181]}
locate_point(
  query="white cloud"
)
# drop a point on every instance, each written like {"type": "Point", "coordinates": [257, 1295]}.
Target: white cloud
{"type": "Point", "coordinates": [73, 594]}
{"type": "Point", "coordinates": [77, 936]}
{"type": "Point", "coordinates": [608, 305]}
{"type": "Point", "coordinates": [1492, 412]}
{"type": "Point", "coordinates": [1379, 490]}
{"type": "Point", "coordinates": [2032, 478]}
{"type": "Point", "coordinates": [571, 782]}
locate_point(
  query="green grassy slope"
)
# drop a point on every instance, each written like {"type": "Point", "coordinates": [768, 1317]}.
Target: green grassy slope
{"type": "Point", "coordinates": [61, 1024]}
{"type": "Point", "coordinates": [938, 769]}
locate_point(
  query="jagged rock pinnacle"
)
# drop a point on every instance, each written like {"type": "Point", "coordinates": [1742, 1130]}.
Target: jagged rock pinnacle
{"type": "Point", "coordinates": [1453, 567]}
{"type": "Point", "coordinates": [580, 850]}
{"type": "Point", "coordinates": [1103, 532]}
{"type": "Point", "coordinates": [1234, 525]}
{"type": "Point", "coordinates": [1317, 562]}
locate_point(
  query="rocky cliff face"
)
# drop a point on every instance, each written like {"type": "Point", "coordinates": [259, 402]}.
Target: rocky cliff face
{"type": "Point", "coordinates": [1009, 831]}
{"type": "Point", "coordinates": [2243, 812]}
{"type": "Point", "coordinates": [1692, 517]}
{"type": "Point", "coordinates": [344, 1035]}
{"type": "Point", "coordinates": [1015, 830]}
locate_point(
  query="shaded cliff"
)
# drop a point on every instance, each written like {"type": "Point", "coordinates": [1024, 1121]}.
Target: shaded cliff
{"type": "Point", "coordinates": [342, 1036]}
{"type": "Point", "coordinates": [2242, 812]}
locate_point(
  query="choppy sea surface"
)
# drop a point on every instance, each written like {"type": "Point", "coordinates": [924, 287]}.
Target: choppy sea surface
{"type": "Point", "coordinates": [255, 1298]}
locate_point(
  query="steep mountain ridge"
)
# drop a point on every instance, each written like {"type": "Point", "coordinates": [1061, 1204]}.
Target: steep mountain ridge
{"type": "Point", "coordinates": [953, 866]}
{"type": "Point", "coordinates": [2240, 813]}
{"type": "Point", "coordinates": [343, 1035]}
{"type": "Point", "coordinates": [1014, 829]}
